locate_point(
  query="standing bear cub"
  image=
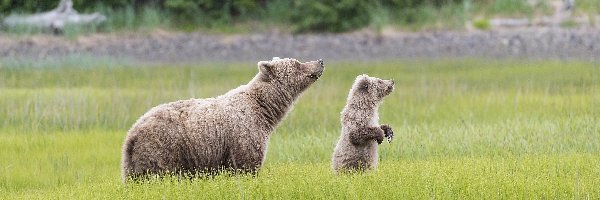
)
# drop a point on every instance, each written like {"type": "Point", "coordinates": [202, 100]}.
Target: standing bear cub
{"type": "Point", "coordinates": [356, 149]}
{"type": "Point", "coordinates": [230, 131]}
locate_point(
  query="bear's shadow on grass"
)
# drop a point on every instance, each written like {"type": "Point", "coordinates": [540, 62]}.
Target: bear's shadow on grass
{"type": "Point", "coordinates": [191, 176]}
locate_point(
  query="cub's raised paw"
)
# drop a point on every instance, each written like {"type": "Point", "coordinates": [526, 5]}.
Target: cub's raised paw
{"type": "Point", "coordinates": [388, 132]}
{"type": "Point", "coordinates": [379, 138]}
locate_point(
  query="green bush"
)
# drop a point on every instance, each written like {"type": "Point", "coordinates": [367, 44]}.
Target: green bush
{"type": "Point", "coordinates": [207, 12]}
{"type": "Point", "coordinates": [482, 24]}
{"type": "Point", "coordinates": [301, 15]}
{"type": "Point", "coordinates": [329, 15]}
{"type": "Point", "coordinates": [26, 5]}
{"type": "Point", "coordinates": [510, 7]}
{"type": "Point", "coordinates": [404, 4]}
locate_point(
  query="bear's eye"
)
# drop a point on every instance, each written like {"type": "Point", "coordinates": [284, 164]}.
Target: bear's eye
{"type": "Point", "coordinates": [313, 76]}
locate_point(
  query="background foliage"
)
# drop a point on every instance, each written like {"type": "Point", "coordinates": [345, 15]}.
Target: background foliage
{"type": "Point", "coordinates": [304, 16]}
{"type": "Point", "coordinates": [298, 15]}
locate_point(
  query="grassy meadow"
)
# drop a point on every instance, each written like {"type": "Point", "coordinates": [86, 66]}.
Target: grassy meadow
{"type": "Point", "coordinates": [465, 129]}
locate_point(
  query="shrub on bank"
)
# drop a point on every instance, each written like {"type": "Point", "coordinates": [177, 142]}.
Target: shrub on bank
{"type": "Point", "coordinates": [301, 15]}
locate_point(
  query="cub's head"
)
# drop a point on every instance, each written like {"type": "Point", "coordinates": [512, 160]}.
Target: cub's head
{"type": "Point", "coordinates": [371, 89]}
{"type": "Point", "coordinates": [290, 73]}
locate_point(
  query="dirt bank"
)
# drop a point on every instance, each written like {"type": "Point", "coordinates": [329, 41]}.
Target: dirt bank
{"type": "Point", "coordinates": [537, 43]}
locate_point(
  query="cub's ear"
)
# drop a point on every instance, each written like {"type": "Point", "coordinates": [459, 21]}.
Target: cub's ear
{"type": "Point", "coordinates": [266, 68]}
{"type": "Point", "coordinates": [362, 82]}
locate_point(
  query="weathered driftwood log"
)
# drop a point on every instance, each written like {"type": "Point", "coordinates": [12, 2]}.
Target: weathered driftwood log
{"type": "Point", "coordinates": [563, 13]}
{"type": "Point", "coordinates": [56, 19]}
{"type": "Point", "coordinates": [509, 22]}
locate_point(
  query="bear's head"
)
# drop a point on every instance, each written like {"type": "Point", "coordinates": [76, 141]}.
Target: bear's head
{"type": "Point", "coordinates": [371, 90]}
{"type": "Point", "coordinates": [290, 73]}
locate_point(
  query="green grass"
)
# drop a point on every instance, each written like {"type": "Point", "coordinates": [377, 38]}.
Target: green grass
{"type": "Point", "coordinates": [474, 129]}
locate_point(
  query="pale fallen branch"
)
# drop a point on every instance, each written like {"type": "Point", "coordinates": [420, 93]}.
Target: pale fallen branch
{"type": "Point", "coordinates": [56, 19]}
{"type": "Point", "coordinates": [509, 22]}
{"type": "Point", "coordinates": [563, 16]}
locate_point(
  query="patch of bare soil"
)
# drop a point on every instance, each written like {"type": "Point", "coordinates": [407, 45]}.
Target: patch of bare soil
{"type": "Point", "coordinates": [161, 46]}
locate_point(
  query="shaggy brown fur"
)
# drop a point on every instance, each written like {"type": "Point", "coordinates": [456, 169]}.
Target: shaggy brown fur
{"type": "Point", "coordinates": [230, 131]}
{"type": "Point", "coordinates": [356, 149]}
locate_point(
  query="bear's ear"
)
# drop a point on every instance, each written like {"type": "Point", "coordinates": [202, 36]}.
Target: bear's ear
{"type": "Point", "coordinates": [362, 83]}
{"type": "Point", "coordinates": [266, 67]}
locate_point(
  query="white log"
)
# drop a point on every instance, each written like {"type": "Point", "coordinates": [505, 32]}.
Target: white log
{"type": "Point", "coordinates": [509, 22]}
{"type": "Point", "coordinates": [56, 19]}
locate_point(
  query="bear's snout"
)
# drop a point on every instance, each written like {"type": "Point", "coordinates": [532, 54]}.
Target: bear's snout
{"type": "Point", "coordinates": [320, 67]}
{"type": "Point", "coordinates": [391, 85]}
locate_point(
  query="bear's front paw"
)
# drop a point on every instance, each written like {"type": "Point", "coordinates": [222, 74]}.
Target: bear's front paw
{"type": "Point", "coordinates": [379, 139]}
{"type": "Point", "coordinates": [388, 132]}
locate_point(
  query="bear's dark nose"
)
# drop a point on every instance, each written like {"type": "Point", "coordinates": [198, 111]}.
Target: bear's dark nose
{"type": "Point", "coordinates": [321, 62]}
